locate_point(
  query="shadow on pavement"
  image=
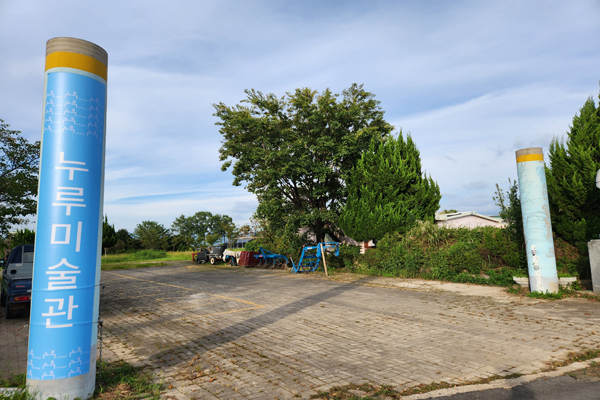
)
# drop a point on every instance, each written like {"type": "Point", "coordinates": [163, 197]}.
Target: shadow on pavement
{"type": "Point", "coordinates": [247, 326]}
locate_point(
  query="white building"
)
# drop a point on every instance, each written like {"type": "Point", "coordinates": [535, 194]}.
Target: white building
{"type": "Point", "coordinates": [468, 219]}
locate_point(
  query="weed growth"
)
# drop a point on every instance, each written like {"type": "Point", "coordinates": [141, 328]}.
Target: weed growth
{"type": "Point", "coordinates": [131, 265]}
{"type": "Point", "coordinates": [480, 256]}
{"type": "Point", "coordinates": [562, 293]}
{"type": "Point", "coordinates": [137, 256]}
{"type": "Point", "coordinates": [120, 380]}
{"type": "Point", "coordinates": [574, 357]}
{"type": "Point", "coordinates": [484, 256]}
{"type": "Point", "coordinates": [17, 381]}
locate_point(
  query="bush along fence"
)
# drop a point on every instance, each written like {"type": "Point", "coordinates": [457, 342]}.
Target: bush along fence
{"type": "Point", "coordinates": [484, 255]}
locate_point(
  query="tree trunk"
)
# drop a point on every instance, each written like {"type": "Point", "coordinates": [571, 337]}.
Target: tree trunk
{"type": "Point", "coordinates": [319, 231]}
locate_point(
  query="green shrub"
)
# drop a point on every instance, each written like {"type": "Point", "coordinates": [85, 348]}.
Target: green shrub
{"type": "Point", "coordinates": [501, 276]}
{"type": "Point", "coordinates": [568, 267]}
{"type": "Point", "coordinates": [252, 246]}
{"type": "Point", "coordinates": [427, 234]}
{"type": "Point", "coordinates": [440, 268]}
{"type": "Point", "coordinates": [455, 255]}
{"type": "Point", "coordinates": [464, 257]}
{"type": "Point", "coordinates": [499, 249]}
{"type": "Point", "coordinates": [346, 259]}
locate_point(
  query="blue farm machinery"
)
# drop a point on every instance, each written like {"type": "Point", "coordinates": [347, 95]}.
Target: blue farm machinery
{"type": "Point", "coordinates": [311, 256]}
{"type": "Point", "coordinates": [266, 257]}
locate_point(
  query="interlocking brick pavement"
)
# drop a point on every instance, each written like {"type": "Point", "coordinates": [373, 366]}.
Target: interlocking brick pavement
{"type": "Point", "coordinates": [14, 335]}
{"type": "Point", "coordinates": [232, 333]}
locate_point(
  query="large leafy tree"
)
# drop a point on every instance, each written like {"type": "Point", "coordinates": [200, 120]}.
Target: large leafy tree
{"type": "Point", "coordinates": [200, 229]}
{"type": "Point", "coordinates": [573, 195]}
{"type": "Point", "coordinates": [19, 164]}
{"type": "Point", "coordinates": [388, 192]}
{"type": "Point", "coordinates": [152, 235]}
{"type": "Point", "coordinates": [294, 152]}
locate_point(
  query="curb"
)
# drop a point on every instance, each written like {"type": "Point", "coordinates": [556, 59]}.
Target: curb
{"type": "Point", "coordinates": [9, 391]}
{"type": "Point", "coordinates": [503, 383]}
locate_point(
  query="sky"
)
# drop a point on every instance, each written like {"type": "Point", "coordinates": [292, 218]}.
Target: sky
{"type": "Point", "coordinates": [471, 81]}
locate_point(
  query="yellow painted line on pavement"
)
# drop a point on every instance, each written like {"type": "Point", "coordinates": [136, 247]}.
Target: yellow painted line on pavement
{"type": "Point", "coordinates": [191, 290]}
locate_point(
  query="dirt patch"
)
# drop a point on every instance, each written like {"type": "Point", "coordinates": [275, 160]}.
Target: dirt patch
{"type": "Point", "coordinates": [355, 392]}
{"type": "Point", "coordinates": [564, 250]}
{"type": "Point", "coordinates": [590, 374]}
{"type": "Point", "coordinates": [120, 391]}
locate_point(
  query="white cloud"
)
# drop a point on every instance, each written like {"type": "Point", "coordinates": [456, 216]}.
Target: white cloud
{"type": "Point", "coordinates": [471, 81]}
{"type": "Point", "coordinates": [469, 144]}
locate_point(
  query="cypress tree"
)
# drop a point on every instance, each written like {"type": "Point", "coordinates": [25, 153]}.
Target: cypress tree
{"type": "Point", "coordinates": [387, 192]}
{"type": "Point", "coordinates": [571, 175]}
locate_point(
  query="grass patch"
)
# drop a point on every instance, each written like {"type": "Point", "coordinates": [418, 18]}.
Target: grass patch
{"type": "Point", "coordinates": [129, 265]}
{"type": "Point", "coordinates": [139, 255]}
{"type": "Point", "coordinates": [574, 357]}
{"type": "Point", "coordinates": [141, 259]}
{"type": "Point", "coordinates": [369, 391]}
{"type": "Point", "coordinates": [563, 293]}
{"type": "Point", "coordinates": [445, 385]}
{"type": "Point", "coordinates": [547, 295]}
{"type": "Point", "coordinates": [591, 373]}
{"type": "Point", "coordinates": [15, 381]}
{"type": "Point", "coordinates": [517, 289]}
{"type": "Point", "coordinates": [120, 380]}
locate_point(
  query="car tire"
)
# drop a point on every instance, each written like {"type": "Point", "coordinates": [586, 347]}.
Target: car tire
{"type": "Point", "coordinates": [213, 260]}
{"type": "Point", "coordinates": [8, 313]}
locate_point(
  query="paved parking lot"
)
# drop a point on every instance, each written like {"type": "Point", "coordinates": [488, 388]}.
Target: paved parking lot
{"type": "Point", "coordinates": [232, 333]}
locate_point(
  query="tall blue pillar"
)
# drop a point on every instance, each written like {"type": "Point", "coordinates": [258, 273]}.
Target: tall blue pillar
{"type": "Point", "coordinates": [536, 220]}
{"type": "Point", "coordinates": [61, 362]}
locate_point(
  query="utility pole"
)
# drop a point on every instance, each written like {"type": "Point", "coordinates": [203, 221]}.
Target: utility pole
{"type": "Point", "coordinates": [537, 226]}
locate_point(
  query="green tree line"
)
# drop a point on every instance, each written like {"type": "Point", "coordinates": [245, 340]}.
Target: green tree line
{"type": "Point", "coordinates": [202, 229]}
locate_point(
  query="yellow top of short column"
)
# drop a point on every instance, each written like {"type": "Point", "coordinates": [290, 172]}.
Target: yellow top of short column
{"type": "Point", "coordinates": [530, 154]}
{"type": "Point", "coordinates": [66, 52]}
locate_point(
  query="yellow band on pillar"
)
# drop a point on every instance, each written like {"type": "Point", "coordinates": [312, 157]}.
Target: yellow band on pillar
{"type": "Point", "coordinates": [530, 157]}
{"type": "Point", "coordinates": [63, 59]}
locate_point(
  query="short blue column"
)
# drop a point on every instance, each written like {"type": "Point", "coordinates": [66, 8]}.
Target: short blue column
{"type": "Point", "coordinates": [536, 220]}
